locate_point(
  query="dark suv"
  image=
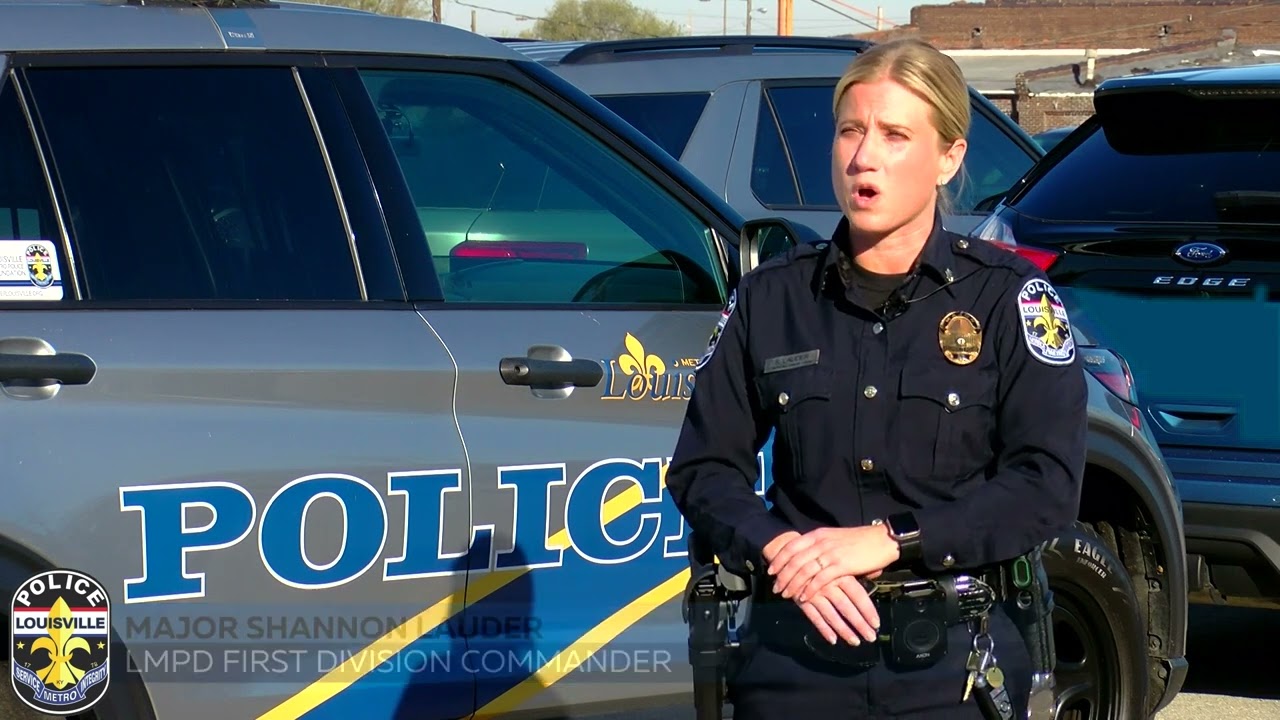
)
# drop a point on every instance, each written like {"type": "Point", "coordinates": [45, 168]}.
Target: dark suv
{"type": "Point", "coordinates": [1160, 220]}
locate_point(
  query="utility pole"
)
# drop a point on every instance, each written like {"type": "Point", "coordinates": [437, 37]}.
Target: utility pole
{"type": "Point", "coordinates": [436, 15]}
{"type": "Point", "coordinates": [725, 19]}
{"type": "Point", "coordinates": [473, 21]}
{"type": "Point", "coordinates": [748, 17]}
{"type": "Point", "coordinates": [784, 17]}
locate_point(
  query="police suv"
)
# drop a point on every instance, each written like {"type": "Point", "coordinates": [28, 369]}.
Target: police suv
{"type": "Point", "coordinates": [341, 357]}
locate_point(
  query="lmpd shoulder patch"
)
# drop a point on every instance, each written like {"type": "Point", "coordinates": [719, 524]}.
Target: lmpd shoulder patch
{"type": "Point", "coordinates": [719, 330]}
{"type": "Point", "coordinates": [1045, 325]}
{"type": "Point", "coordinates": [60, 642]}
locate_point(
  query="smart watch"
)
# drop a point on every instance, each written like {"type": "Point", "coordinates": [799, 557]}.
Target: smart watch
{"type": "Point", "coordinates": [904, 529]}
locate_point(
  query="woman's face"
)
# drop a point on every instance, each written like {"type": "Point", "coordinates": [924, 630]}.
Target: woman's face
{"type": "Point", "coordinates": [887, 158]}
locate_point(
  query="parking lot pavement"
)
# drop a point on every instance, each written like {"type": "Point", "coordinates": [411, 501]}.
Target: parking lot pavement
{"type": "Point", "coordinates": [1232, 674]}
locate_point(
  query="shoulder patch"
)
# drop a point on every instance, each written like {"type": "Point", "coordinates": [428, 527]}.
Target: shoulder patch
{"type": "Point", "coordinates": [1045, 325]}
{"type": "Point", "coordinates": [719, 330]}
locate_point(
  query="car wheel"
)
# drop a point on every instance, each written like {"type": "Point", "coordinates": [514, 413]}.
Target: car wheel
{"type": "Point", "coordinates": [11, 708]}
{"type": "Point", "coordinates": [1098, 633]}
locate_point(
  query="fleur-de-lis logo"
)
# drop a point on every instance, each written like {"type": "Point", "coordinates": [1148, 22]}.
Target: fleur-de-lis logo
{"type": "Point", "coordinates": [644, 368]}
{"type": "Point", "coordinates": [61, 643]}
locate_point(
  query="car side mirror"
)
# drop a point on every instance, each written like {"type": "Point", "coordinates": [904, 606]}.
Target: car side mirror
{"type": "Point", "coordinates": [766, 238]}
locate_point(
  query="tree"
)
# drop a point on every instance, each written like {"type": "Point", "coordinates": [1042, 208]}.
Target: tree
{"type": "Point", "coordinates": [400, 8]}
{"type": "Point", "coordinates": [599, 20]}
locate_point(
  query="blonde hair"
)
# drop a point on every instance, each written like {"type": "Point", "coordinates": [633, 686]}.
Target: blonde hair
{"type": "Point", "coordinates": [924, 70]}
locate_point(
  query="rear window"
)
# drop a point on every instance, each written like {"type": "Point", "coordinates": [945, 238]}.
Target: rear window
{"type": "Point", "coordinates": [1167, 158]}
{"type": "Point", "coordinates": [668, 120]}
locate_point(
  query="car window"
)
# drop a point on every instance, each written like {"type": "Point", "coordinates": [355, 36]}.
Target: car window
{"type": "Point", "coordinates": [993, 160]}
{"type": "Point", "coordinates": [30, 256]}
{"type": "Point", "coordinates": [772, 179]}
{"type": "Point", "coordinates": [194, 184]}
{"type": "Point", "coordinates": [667, 119]}
{"type": "Point", "coordinates": [1137, 170]}
{"type": "Point", "coordinates": [519, 205]}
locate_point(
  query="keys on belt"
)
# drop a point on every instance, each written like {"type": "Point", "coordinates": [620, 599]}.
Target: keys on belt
{"type": "Point", "coordinates": [985, 679]}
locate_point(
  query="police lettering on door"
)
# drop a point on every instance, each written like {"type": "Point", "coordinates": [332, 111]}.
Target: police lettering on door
{"type": "Point", "coordinates": [644, 521]}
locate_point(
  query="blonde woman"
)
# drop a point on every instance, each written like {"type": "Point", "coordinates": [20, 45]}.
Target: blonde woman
{"type": "Point", "coordinates": [928, 415]}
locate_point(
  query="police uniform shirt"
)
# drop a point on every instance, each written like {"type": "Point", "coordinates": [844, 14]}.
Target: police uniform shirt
{"type": "Point", "coordinates": [955, 395]}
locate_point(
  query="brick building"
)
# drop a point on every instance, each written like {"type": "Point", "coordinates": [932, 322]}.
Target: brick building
{"type": "Point", "coordinates": [1040, 59]}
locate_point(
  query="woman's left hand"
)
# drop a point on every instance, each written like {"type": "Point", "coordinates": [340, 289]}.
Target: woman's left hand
{"type": "Point", "coordinates": [807, 563]}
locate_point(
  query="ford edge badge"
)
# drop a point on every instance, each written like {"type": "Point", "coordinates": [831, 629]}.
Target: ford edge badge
{"type": "Point", "coordinates": [1200, 253]}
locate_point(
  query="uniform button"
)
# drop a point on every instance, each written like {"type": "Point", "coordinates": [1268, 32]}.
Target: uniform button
{"type": "Point", "coordinates": [868, 465]}
{"type": "Point", "coordinates": [877, 328]}
{"type": "Point", "coordinates": [948, 275]}
{"type": "Point", "coordinates": [948, 561]}
{"type": "Point", "coordinates": [870, 391]}
{"type": "Point", "coordinates": [953, 399]}
{"type": "Point", "coordinates": [783, 398]}
{"type": "Point", "coordinates": [962, 244]}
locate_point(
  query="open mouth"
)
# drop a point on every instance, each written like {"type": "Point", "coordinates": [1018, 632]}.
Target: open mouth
{"type": "Point", "coordinates": [866, 192]}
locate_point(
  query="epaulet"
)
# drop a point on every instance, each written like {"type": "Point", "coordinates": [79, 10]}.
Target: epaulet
{"type": "Point", "coordinates": [796, 255]}
{"type": "Point", "coordinates": [992, 255]}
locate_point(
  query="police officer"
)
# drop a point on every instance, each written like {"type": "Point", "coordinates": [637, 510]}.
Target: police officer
{"type": "Point", "coordinates": [926, 406]}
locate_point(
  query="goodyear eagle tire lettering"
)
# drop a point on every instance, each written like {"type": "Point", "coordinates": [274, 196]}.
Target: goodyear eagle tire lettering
{"type": "Point", "coordinates": [1098, 630]}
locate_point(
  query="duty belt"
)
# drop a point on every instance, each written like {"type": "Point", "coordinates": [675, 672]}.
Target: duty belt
{"type": "Point", "coordinates": [960, 598]}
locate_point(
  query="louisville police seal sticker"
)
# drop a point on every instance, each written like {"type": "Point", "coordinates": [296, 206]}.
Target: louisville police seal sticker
{"type": "Point", "coordinates": [60, 642]}
{"type": "Point", "coordinates": [1045, 326]}
{"type": "Point", "coordinates": [960, 336]}
{"type": "Point", "coordinates": [719, 330]}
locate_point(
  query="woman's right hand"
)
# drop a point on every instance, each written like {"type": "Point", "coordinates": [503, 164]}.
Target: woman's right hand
{"type": "Point", "coordinates": [843, 610]}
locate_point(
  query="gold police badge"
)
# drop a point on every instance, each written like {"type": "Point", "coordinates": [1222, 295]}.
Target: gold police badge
{"type": "Point", "coordinates": [960, 336]}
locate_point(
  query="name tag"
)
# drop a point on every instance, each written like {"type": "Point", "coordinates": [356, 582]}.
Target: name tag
{"type": "Point", "coordinates": [790, 362]}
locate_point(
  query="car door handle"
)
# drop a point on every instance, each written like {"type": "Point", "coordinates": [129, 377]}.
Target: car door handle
{"type": "Point", "coordinates": [1194, 418]}
{"type": "Point", "coordinates": [66, 368]}
{"type": "Point", "coordinates": [537, 372]}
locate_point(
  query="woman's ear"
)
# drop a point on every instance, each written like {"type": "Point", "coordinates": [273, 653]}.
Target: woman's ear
{"type": "Point", "coordinates": [951, 160]}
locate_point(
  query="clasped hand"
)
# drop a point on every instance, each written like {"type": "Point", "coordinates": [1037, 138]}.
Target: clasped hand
{"type": "Point", "coordinates": [821, 571]}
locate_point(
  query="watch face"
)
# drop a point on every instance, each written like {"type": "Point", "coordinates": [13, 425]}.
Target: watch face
{"type": "Point", "coordinates": [902, 526]}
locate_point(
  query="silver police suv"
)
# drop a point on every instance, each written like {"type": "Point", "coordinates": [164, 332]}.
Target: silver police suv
{"type": "Point", "coordinates": [418, 292]}
{"type": "Point", "coordinates": [751, 117]}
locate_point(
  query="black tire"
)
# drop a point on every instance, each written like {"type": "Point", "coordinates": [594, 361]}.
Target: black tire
{"type": "Point", "coordinates": [1099, 635]}
{"type": "Point", "coordinates": [11, 708]}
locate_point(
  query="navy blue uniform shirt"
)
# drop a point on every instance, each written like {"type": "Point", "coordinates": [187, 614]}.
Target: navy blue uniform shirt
{"type": "Point", "coordinates": [959, 397]}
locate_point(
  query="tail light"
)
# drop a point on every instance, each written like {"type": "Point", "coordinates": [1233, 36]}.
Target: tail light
{"type": "Point", "coordinates": [1042, 258]}
{"type": "Point", "coordinates": [997, 231]}
{"type": "Point", "coordinates": [1112, 370]}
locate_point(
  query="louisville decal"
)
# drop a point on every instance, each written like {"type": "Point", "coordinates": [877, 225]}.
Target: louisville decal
{"type": "Point", "coordinates": [719, 330]}
{"type": "Point", "coordinates": [1045, 326]}
{"type": "Point", "coordinates": [61, 642]}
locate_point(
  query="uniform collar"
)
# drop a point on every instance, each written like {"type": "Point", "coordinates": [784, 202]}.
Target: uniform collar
{"type": "Point", "coordinates": [937, 259]}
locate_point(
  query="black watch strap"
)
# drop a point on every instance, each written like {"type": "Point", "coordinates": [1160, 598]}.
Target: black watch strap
{"type": "Point", "coordinates": [904, 529]}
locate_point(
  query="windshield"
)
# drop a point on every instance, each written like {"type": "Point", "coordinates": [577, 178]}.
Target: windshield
{"type": "Point", "coordinates": [1168, 158]}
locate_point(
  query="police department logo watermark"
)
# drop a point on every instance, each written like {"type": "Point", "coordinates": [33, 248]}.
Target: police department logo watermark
{"type": "Point", "coordinates": [60, 642]}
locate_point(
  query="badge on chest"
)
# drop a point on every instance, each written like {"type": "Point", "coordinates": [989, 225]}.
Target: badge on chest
{"type": "Point", "coordinates": [960, 337]}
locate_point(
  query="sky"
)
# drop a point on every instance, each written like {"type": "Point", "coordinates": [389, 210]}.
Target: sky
{"type": "Point", "coordinates": [706, 17]}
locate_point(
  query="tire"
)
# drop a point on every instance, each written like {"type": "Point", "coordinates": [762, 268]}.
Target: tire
{"type": "Point", "coordinates": [1100, 639]}
{"type": "Point", "coordinates": [11, 708]}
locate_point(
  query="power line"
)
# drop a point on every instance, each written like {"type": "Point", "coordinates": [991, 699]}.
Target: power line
{"type": "Point", "coordinates": [844, 15]}
{"type": "Point", "coordinates": [617, 31]}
